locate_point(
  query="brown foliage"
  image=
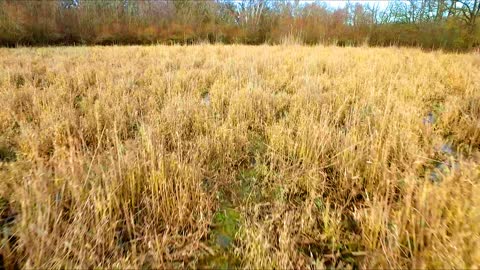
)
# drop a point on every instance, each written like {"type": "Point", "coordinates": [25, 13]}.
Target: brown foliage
{"type": "Point", "coordinates": [140, 22]}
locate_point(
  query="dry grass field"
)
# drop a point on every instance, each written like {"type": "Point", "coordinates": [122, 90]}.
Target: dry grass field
{"type": "Point", "coordinates": [214, 156]}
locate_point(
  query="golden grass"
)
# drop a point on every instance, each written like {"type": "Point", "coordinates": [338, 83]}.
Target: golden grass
{"type": "Point", "coordinates": [238, 156]}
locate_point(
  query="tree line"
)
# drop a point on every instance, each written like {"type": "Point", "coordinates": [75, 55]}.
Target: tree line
{"type": "Point", "coordinates": [446, 24]}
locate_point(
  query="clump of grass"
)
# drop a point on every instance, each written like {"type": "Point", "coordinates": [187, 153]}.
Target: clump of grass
{"type": "Point", "coordinates": [7, 154]}
{"type": "Point", "coordinates": [235, 156]}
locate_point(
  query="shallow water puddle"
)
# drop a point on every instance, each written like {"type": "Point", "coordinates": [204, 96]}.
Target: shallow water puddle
{"type": "Point", "coordinates": [226, 223]}
{"type": "Point", "coordinates": [206, 99]}
{"type": "Point", "coordinates": [227, 220]}
{"type": "Point", "coordinates": [445, 167]}
{"type": "Point", "coordinates": [244, 191]}
{"type": "Point", "coordinates": [430, 119]}
{"type": "Point", "coordinates": [446, 151]}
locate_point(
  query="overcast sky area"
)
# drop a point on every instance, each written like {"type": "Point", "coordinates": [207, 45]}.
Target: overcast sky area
{"type": "Point", "coordinates": [342, 3]}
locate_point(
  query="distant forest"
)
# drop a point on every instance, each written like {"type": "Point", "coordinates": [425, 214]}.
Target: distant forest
{"type": "Point", "coordinates": [446, 24]}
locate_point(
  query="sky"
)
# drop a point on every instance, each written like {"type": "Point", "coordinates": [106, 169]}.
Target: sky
{"type": "Point", "coordinates": [342, 3]}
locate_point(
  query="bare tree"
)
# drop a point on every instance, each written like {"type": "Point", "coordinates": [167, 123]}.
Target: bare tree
{"type": "Point", "coordinates": [250, 12]}
{"type": "Point", "coordinates": [470, 10]}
